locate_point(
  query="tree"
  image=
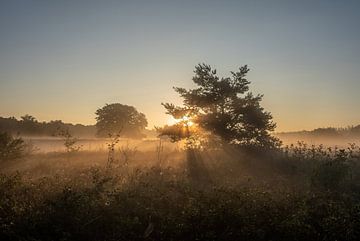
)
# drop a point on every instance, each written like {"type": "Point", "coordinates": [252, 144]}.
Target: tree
{"type": "Point", "coordinates": [114, 118]}
{"type": "Point", "coordinates": [30, 125]}
{"type": "Point", "coordinates": [28, 118]}
{"type": "Point", "coordinates": [226, 108]}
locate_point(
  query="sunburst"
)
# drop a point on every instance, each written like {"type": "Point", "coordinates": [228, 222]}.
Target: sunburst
{"type": "Point", "coordinates": [185, 120]}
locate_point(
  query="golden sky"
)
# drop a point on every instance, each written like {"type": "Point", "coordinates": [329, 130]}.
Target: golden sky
{"type": "Point", "coordinates": [64, 60]}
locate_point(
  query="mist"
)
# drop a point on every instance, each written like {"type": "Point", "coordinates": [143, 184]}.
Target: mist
{"type": "Point", "coordinates": [163, 120]}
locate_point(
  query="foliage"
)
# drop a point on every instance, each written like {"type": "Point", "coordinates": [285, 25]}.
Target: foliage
{"type": "Point", "coordinates": [158, 204]}
{"type": "Point", "coordinates": [70, 142]}
{"type": "Point", "coordinates": [225, 108]}
{"type": "Point", "coordinates": [126, 151]}
{"type": "Point", "coordinates": [28, 125]}
{"type": "Point", "coordinates": [180, 131]}
{"type": "Point", "coordinates": [114, 140]}
{"type": "Point", "coordinates": [327, 168]}
{"type": "Point", "coordinates": [116, 117]}
{"type": "Point", "coordinates": [11, 148]}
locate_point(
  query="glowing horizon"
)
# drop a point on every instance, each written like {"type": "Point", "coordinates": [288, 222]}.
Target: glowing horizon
{"type": "Point", "coordinates": [65, 60]}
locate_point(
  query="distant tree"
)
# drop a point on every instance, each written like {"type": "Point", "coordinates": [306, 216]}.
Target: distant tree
{"type": "Point", "coordinates": [225, 108]}
{"type": "Point", "coordinates": [53, 127]}
{"type": "Point", "coordinates": [114, 118]}
{"type": "Point", "coordinates": [30, 125]}
{"type": "Point", "coordinates": [28, 118]}
{"type": "Point", "coordinates": [10, 125]}
{"type": "Point", "coordinates": [325, 132]}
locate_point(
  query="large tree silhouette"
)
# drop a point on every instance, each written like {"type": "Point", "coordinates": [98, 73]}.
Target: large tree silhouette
{"type": "Point", "coordinates": [224, 107]}
{"type": "Point", "coordinates": [115, 118]}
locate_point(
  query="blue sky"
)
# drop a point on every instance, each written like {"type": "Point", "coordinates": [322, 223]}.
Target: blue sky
{"type": "Point", "coordinates": [65, 59]}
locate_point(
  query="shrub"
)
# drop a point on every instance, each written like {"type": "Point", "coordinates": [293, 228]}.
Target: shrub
{"type": "Point", "coordinates": [151, 206]}
{"type": "Point", "coordinates": [326, 168]}
{"type": "Point", "coordinates": [331, 173]}
{"type": "Point", "coordinates": [11, 148]}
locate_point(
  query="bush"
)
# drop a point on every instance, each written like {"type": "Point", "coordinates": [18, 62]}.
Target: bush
{"type": "Point", "coordinates": [331, 173]}
{"type": "Point", "coordinates": [325, 168]}
{"type": "Point", "coordinates": [158, 204]}
{"type": "Point", "coordinates": [10, 148]}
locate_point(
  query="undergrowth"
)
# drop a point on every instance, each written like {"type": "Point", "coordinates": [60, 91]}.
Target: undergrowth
{"type": "Point", "coordinates": [164, 203]}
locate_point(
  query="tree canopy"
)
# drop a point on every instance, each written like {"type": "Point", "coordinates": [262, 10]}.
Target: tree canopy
{"type": "Point", "coordinates": [114, 118]}
{"type": "Point", "coordinates": [224, 107]}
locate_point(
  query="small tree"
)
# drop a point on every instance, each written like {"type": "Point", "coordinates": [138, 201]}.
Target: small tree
{"type": "Point", "coordinates": [70, 142]}
{"type": "Point", "coordinates": [225, 108]}
{"type": "Point", "coordinates": [113, 141]}
{"type": "Point", "coordinates": [114, 118]}
{"type": "Point", "coordinates": [11, 148]}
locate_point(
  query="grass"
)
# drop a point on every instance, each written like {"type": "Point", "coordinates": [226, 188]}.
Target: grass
{"type": "Point", "coordinates": [296, 194]}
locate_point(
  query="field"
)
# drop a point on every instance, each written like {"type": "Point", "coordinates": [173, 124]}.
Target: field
{"type": "Point", "coordinates": [156, 190]}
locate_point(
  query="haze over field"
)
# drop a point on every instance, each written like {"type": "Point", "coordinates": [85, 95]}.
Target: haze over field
{"type": "Point", "coordinates": [179, 120]}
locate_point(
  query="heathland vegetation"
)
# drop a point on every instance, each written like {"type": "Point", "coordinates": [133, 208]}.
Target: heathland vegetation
{"type": "Point", "coordinates": [217, 173]}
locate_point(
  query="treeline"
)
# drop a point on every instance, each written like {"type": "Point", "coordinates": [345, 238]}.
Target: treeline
{"type": "Point", "coordinates": [30, 126]}
{"type": "Point", "coordinates": [330, 132]}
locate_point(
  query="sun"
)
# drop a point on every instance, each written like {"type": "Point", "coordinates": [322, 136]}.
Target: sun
{"type": "Point", "coordinates": [185, 120]}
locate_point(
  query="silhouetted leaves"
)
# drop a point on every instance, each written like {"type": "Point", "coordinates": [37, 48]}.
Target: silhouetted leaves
{"type": "Point", "coordinates": [225, 108]}
{"type": "Point", "coordinates": [116, 117]}
{"type": "Point", "coordinates": [10, 148]}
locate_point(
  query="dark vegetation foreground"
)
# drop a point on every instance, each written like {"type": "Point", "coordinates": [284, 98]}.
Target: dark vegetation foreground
{"type": "Point", "coordinates": [300, 193]}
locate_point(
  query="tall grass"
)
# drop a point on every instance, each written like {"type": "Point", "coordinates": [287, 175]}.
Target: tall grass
{"type": "Point", "coordinates": [299, 193]}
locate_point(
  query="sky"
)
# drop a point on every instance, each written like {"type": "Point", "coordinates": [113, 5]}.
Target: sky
{"type": "Point", "coordinates": [65, 59]}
